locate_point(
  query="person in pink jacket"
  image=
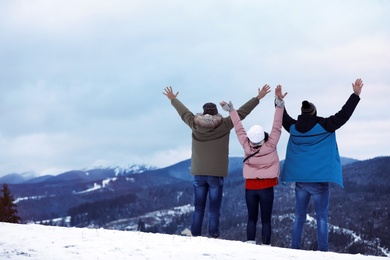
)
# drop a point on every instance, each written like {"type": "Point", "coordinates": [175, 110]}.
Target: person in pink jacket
{"type": "Point", "coordinates": [261, 167]}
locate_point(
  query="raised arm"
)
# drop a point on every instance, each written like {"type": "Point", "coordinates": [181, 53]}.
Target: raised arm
{"type": "Point", "coordinates": [185, 114]}
{"type": "Point", "coordinates": [334, 122]}
{"type": "Point", "coordinates": [287, 120]}
{"type": "Point", "coordinates": [278, 116]}
{"type": "Point", "coordinates": [238, 127]}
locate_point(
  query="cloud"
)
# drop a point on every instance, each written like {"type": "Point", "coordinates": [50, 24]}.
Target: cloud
{"type": "Point", "coordinates": [85, 79]}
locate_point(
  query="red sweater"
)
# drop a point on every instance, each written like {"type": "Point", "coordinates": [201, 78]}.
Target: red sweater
{"type": "Point", "coordinates": [259, 184]}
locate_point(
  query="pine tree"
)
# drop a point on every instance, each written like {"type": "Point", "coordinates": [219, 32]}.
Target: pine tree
{"type": "Point", "coordinates": [8, 212]}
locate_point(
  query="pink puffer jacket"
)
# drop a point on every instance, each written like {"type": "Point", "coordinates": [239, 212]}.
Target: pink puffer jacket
{"type": "Point", "coordinates": [265, 164]}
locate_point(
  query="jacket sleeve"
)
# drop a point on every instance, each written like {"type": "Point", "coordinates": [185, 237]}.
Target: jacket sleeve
{"type": "Point", "coordinates": [186, 115]}
{"type": "Point", "coordinates": [276, 127]}
{"type": "Point", "coordinates": [245, 109]}
{"type": "Point", "coordinates": [334, 122]}
{"type": "Point", "coordinates": [287, 120]}
{"type": "Point", "coordinates": [238, 127]}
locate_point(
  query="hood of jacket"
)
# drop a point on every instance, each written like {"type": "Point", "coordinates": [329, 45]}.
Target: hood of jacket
{"type": "Point", "coordinates": [306, 122]}
{"type": "Point", "coordinates": [207, 121]}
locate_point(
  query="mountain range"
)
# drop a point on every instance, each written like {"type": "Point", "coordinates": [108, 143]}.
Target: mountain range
{"type": "Point", "coordinates": [160, 201]}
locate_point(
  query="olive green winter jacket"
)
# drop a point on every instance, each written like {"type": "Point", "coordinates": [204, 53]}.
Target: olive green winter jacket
{"type": "Point", "coordinates": [210, 138]}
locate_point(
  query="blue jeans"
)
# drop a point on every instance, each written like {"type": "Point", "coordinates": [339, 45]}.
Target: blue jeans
{"type": "Point", "coordinates": [265, 198]}
{"type": "Point", "coordinates": [213, 187]}
{"type": "Point", "coordinates": [320, 193]}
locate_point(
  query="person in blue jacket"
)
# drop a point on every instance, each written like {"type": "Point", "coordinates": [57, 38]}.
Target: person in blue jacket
{"type": "Point", "coordinates": [312, 161]}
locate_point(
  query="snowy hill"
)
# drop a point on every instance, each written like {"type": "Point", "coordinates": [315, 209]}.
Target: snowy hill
{"type": "Point", "coordinates": [30, 241]}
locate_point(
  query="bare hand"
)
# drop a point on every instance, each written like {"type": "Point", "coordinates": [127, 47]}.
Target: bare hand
{"type": "Point", "coordinates": [169, 93]}
{"type": "Point", "coordinates": [264, 91]}
{"type": "Point", "coordinates": [357, 87]}
{"type": "Point", "coordinates": [278, 92]}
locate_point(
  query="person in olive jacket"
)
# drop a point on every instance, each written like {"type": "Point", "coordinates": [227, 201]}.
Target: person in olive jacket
{"type": "Point", "coordinates": [209, 155]}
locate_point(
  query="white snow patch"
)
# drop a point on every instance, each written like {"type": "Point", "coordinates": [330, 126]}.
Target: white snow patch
{"type": "Point", "coordinates": [33, 241]}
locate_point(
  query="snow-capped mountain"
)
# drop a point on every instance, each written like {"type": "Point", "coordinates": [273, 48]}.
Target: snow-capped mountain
{"type": "Point", "coordinates": [97, 172]}
{"type": "Point", "coordinates": [14, 178]}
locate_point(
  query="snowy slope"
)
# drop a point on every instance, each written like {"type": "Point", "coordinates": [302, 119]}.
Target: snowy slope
{"type": "Point", "coordinates": [45, 242]}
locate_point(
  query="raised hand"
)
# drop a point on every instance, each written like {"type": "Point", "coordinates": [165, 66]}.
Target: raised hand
{"type": "Point", "coordinates": [357, 87]}
{"type": "Point", "coordinates": [264, 91]}
{"type": "Point", "coordinates": [278, 92]}
{"type": "Point", "coordinates": [227, 106]}
{"type": "Point", "coordinates": [169, 93]}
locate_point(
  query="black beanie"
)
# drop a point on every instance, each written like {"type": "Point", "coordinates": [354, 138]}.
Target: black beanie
{"type": "Point", "coordinates": [308, 108]}
{"type": "Point", "coordinates": [210, 108]}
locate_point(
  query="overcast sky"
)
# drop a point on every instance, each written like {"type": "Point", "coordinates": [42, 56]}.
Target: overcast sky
{"type": "Point", "coordinates": [82, 81]}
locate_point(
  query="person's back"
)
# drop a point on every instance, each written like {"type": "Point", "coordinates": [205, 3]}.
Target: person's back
{"type": "Point", "coordinates": [312, 153]}
{"type": "Point", "coordinates": [210, 137]}
{"type": "Point", "coordinates": [312, 156]}
{"type": "Point", "coordinates": [261, 168]}
{"type": "Point", "coordinates": [312, 161]}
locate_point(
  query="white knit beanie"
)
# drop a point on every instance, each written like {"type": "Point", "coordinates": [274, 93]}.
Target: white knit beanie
{"type": "Point", "coordinates": [256, 134]}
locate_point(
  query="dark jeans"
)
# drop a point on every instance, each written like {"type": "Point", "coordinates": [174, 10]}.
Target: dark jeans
{"type": "Point", "coordinates": [264, 198]}
{"type": "Point", "coordinates": [319, 192]}
{"type": "Point", "coordinates": [213, 187]}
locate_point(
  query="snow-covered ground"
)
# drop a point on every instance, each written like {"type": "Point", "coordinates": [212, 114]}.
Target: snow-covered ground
{"type": "Point", "coordinates": [33, 241]}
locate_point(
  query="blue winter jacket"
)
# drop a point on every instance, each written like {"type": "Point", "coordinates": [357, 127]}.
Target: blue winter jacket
{"type": "Point", "coordinates": [312, 154]}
